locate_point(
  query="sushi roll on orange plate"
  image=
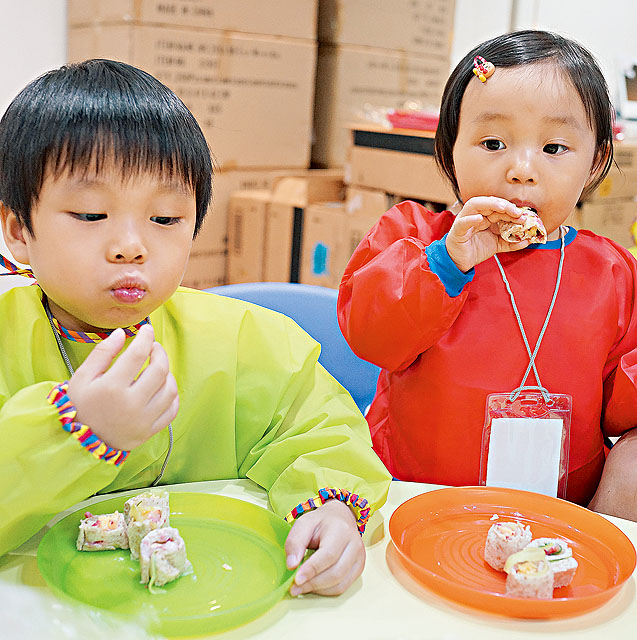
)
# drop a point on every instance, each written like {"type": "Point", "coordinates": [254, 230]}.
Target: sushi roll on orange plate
{"type": "Point", "coordinates": [503, 540]}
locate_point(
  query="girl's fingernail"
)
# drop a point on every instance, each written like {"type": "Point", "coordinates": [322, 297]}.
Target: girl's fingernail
{"type": "Point", "coordinates": [291, 561]}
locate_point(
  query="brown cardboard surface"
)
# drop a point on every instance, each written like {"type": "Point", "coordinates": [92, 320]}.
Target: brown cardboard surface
{"type": "Point", "coordinates": [619, 183]}
{"type": "Point", "coordinates": [330, 235]}
{"type": "Point", "coordinates": [205, 270]}
{"type": "Point", "coordinates": [321, 255]}
{"type": "Point", "coordinates": [351, 80]}
{"type": "Point", "coordinates": [252, 96]}
{"type": "Point", "coordinates": [370, 202]}
{"type": "Point", "coordinates": [408, 175]}
{"type": "Point", "coordinates": [290, 18]}
{"type": "Point", "coordinates": [285, 224]}
{"type": "Point", "coordinates": [246, 230]}
{"type": "Point", "coordinates": [213, 235]}
{"type": "Point", "coordinates": [424, 26]}
{"type": "Point", "coordinates": [612, 219]}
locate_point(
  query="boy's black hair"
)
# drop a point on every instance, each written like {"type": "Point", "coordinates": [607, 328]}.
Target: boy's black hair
{"type": "Point", "coordinates": [528, 47]}
{"type": "Point", "coordinates": [82, 115]}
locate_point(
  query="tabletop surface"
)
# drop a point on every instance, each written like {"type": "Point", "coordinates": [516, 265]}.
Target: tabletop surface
{"type": "Point", "coordinates": [385, 602]}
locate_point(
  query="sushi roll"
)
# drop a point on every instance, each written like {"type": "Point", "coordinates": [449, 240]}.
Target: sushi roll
{"type": "Point", "coordinates": [162, 557]}
{"type": "Point", "coordinates": [144, 513]}
{"type": "Point", "coordinates": [529, 575]}
{"type": "Point", "coordinates": [98, 533]}
{"type": "Point", "coordinates": [504, 539]}
{"type": "Point", "coordinates": [560, 558]}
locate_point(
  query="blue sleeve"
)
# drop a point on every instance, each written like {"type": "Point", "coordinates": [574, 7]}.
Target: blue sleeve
{"type": "Point", "coordinates": [445, 268]}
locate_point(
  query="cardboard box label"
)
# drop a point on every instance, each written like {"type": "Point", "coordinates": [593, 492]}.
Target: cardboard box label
{"type": "Point", "coordinates": [252, 96]}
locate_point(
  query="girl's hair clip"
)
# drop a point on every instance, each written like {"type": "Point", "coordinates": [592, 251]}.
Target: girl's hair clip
{"type": "Point", "coordinates": [482, 68]}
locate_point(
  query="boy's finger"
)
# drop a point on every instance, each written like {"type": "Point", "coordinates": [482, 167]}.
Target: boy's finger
{"type": "Point", "coordinates": [129, 364]}
{"type": "Point", "coordinates": [100, 359]}
{"type": "Point", "coordinates": [164, 405]}
{"type": "Point", "coordinates": [153, 377]}
{"type": "Point", "coordinates": [335, 579]}
{"type": "Point", "coordinates": [299, 540]}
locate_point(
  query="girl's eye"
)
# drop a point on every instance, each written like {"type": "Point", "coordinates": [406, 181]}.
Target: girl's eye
{"type": "Point", "coordinates": [493, 144]}
{"type": "Point", "coordinates": [89, 217]}
{"type": "Point", "coordinates": [165, 220]}
{"type": "Point", "coordinates": [554, 148]}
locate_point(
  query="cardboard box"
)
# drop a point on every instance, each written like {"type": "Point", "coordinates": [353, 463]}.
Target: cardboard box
{"type": "Point", "coordinates": [246, 231]}
{"type": "Point", "coordinates": [621, 181]}
{"type": "Point", "coordinates": [285, 225]}
{"type": "Point", "coordinates": [321, 256]}
{"type": "Point", "coordinates": [368, 201]}
{"type": "Point", "coordinates": [205, 270]}
{"type": "Point", "coordinates": [252, 96]}
{"type": "Point", "coordinates": [213, 235]}
{"type": "Point", "coordinates": [353, 80]}
{"type": "Point", "coordinates": [612, 219]}
{"type": "Point", "coordinates": [290, 18]}
{"type": "Point", "coordinates": [399, 162]}
{"type": "Point", "coordinates": [423, 26]}
{"type": "Point", "coordinates": [330, 236]}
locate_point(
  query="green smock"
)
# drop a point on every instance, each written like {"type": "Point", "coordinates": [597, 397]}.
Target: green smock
{"type": "Point", "coordinates": [254, 402]}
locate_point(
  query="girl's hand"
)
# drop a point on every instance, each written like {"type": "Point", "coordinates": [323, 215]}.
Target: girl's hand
{"type": "Point", "coordinates": [473, 237]}
{"type": "Point", "coordinates": [122, 406]}
{"type": "Point", "coordinates": [340, 554]}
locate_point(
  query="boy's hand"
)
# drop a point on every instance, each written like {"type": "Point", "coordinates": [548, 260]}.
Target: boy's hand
{"type": "Point", "coordinates": [473, 237]}
{"type": "Point", "coordinates": [340, 554]}
{"type": "Point", "coordinates": [121, 405]}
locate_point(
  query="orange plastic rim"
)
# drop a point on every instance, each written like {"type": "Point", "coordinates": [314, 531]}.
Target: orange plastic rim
{"type": "Point", "coordinates": [440, 537]}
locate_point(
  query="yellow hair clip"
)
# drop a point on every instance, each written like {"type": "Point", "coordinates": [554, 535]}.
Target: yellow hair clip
{"type": "Point", "coordinates": [482, 68]}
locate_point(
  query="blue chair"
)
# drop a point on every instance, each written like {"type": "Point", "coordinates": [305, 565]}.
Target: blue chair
{"type": "Point", "coordinates": [314, 309]}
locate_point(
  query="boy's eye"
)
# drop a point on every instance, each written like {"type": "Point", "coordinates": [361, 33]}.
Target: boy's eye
{"type": "Point", "coordinates": [493, 144]}
{"type": "Point", "coordinates": [554, 148]}
{"type": "Point", "coordinates": [89, 217]}
{"type": "Point", "coordinates": [165, 220]}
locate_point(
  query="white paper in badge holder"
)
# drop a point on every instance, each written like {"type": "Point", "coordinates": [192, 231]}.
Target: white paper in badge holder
{"type": "Point", "coordinates": [524, 453]}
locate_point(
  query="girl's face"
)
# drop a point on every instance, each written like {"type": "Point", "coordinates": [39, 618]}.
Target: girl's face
{"type": "Point", "coordinates": [523, 136]}
{"type": "Point", "coordinates": [106, 250]}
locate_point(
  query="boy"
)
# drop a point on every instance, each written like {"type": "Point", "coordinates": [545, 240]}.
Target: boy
{"type": "Point", "coordinates": [105, 178]}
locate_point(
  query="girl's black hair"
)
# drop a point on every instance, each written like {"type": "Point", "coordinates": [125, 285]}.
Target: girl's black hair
{"type": "Point", "coordinates": [522, 48]}
{"type": "Point", "coordinates": [83, 115]}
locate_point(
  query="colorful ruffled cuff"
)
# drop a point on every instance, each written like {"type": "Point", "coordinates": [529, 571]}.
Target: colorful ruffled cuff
{"type": "Point", "coordinates": [360, 505]}
{"type": "Point", "coordinates": [60, 400]}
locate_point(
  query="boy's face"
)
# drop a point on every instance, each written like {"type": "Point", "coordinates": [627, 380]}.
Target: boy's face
{"type": "Point", "coordinates": [524, 136]}
{"type": "Point", "coordinates": [106, 250]}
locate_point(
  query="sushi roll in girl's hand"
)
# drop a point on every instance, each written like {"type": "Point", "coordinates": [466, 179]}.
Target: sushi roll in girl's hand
{"type": "Point", "coordinates": [162, 557]}
{"type": "Point", "coordinates": [503, 540]}
{"type": "Point", "coordinates": [560, 558]}
{"type": "Point", "coordinates": [529, 575]}
{"type": "Point", "coordinates": [529, 227]}
{"type": "Point", "coordinates": [99, 533]}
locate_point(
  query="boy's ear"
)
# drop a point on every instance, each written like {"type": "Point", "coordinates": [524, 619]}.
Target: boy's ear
{"type": "Point", "coordinates": [14, 234]}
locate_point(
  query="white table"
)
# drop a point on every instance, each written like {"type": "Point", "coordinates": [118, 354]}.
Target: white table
{"type": "Point", "coordinates": [386, 603]}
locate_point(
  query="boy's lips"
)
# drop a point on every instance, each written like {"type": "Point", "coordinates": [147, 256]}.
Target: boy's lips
{"type": "Point", "coordinates": [129, 290]}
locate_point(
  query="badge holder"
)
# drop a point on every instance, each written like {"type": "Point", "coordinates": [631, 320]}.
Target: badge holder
{"type": "Point", "coordinates": [526, 434]}
{"type": "Point", "coordinates": [525, 441]}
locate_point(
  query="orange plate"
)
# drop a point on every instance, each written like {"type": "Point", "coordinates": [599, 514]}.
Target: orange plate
{"type": "Point", "coordinates": [440, 537]}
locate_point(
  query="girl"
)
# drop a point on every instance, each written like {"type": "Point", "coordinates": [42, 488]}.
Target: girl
{"type": "Point", "coordinates": [534, 129]}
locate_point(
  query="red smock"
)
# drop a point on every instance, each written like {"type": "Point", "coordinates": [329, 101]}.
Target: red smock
{"type": "Point", "coordinates": [442, 355]}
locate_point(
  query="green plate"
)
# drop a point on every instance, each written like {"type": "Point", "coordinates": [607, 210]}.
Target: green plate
{"type": "Point", "coordinates": [218, 531]}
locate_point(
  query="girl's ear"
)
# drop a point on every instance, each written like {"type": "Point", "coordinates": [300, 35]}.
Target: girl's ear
{"type": "Point", "coordinates": [14, 234]}
{"type": "Point", "coordinates": [598, 164]}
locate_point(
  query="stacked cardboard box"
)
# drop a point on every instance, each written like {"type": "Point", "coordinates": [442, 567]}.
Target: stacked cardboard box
{"type": "Point", "coordinates": [612, 209]}
{"type": "Point", "coordinates": [375, 55]}
{"type": "Point", "coordinates": [244, 68]}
